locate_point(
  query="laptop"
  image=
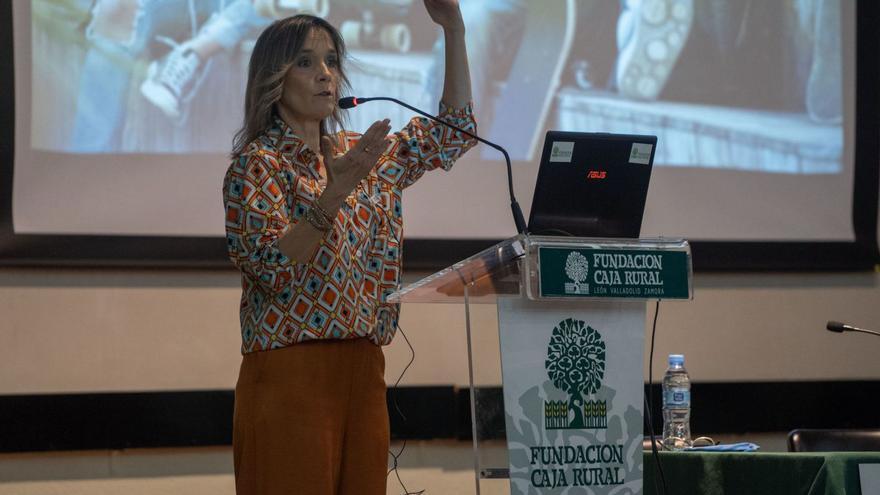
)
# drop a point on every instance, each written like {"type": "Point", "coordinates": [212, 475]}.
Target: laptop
{"type": "Point", "coordinates": [592, 184]}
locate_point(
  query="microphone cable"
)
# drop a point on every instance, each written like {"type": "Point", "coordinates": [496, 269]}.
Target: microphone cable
{"type": "Point", "coordinates": [396, 456]}
{"type": "Point", "coordinates": [648, 404]}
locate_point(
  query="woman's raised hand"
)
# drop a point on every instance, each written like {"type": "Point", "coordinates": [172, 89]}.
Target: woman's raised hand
{"type": "Point", "coordinates": [345, 172]}
{"type": "Point", "coordinates": [445, 13]}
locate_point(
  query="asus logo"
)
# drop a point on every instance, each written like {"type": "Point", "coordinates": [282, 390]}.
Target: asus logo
{"type": "Point", "coordinates": [596, 174]}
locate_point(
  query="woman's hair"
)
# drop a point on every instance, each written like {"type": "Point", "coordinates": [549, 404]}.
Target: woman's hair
{"type": "Point", "coordinates": [272, 56]}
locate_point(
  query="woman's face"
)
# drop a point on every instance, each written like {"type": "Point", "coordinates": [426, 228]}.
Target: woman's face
{"type": "Point", "coordinates": [309, 91]}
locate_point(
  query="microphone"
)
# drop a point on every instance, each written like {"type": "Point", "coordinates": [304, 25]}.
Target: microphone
{"type": "Point", "coordinates": [836, 326]}
{"type": "Point", "coordinates": [353, 101]}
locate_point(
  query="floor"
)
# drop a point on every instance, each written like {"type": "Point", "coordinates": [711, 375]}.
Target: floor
{"type": "Point", "coordinates": [433, 466]}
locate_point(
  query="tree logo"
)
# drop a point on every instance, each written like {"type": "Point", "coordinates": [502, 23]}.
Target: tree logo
{"type": "Point", "coordinates": [577, 268]}
{"type": "Point", "coordinates": [576, 365]}
{"type": "Point", "coordinates": [562, 151]}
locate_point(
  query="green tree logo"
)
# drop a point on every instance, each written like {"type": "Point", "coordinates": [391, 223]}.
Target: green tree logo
{"type": "Point", "coordinates": [576, 365]}
{"type": "Point", "coordinates": [578, 269]}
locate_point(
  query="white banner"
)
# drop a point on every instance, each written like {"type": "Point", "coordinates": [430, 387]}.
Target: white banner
{"type": "Point", "coordinates": [573, 395]}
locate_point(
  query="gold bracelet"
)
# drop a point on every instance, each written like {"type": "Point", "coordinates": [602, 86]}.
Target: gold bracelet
{"type": "Point", "coordinates": [318, 219]}
{"type": "Point", "coordinates": [323, 212]}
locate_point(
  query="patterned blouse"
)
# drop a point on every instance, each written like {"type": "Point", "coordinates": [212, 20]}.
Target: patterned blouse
{"type": "Point", "coordinates": [340, 293]}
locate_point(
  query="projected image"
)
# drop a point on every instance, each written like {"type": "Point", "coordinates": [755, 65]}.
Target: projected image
{"type": "Point", "coordinates": [727, 84]}
{"type": "Point", "coordinates": [168, 76]}
{"type": "Point", "coordinates": [150, 76]}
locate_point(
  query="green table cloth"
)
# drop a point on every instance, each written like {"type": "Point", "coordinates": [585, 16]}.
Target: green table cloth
{"type": "Point", "coordinates": [753, 473]}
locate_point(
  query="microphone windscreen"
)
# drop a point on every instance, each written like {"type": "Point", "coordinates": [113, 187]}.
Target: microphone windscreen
{"type": "Point", "coordinates": [348, 102]}
{"type": "Point", "coordinates": [835, 326]}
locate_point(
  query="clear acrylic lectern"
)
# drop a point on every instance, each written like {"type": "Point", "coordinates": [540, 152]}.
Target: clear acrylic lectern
{"type": "Point", "coordinates": [596, 290]}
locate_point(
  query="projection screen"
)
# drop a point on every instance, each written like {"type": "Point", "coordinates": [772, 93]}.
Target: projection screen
{"type": "Point", "coordinates": [753, 104]}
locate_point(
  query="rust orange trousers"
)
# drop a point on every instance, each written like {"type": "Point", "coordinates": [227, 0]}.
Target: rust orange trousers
{"type": "Point", "coordinates": [312, 419]}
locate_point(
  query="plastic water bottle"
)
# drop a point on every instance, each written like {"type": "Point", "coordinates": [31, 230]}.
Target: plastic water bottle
{"type": "Point", "coordinates": [676, 405]}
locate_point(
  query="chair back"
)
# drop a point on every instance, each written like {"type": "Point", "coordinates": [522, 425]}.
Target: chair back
{"type": "Point", "coordinates": [822, 440]}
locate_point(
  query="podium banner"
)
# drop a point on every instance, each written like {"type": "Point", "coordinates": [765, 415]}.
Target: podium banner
{"type": "Point", "coordinates": [600, 272]}
{"type": "Point", "coordinates": [573, 392]}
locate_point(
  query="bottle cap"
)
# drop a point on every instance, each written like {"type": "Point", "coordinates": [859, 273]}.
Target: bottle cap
{"type": "Point", "coordinates": [676, 360]}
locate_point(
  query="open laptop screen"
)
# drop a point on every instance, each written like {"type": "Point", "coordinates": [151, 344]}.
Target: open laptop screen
{"type": "Point", "coordinates": [592, 184]}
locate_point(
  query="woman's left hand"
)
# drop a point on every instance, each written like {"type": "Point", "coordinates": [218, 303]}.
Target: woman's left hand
{"type": "Point", "coordinates": [445, 13]}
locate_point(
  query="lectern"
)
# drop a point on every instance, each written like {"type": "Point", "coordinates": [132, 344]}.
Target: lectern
{"type": "Point", "coordinates": [568, 350]}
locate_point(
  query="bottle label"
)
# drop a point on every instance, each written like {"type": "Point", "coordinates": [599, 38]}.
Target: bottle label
{"type": "Point", "coordinates": [677, 397]}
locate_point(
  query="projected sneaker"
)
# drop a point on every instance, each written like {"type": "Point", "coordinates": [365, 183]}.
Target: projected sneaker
{"type": "Point", "coordinates": [172, 81]}
{"type": "Point", "coordinates": [650, 36]}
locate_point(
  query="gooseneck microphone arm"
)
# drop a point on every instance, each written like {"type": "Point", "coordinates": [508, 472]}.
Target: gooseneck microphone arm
{"type": "Point", "coordinates": [836, 326]}
{"type": "Point", "coordinates": [518, 219]}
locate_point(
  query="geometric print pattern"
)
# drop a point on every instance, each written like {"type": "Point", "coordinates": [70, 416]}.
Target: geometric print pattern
{"type": "Point", "coordinates": [341, 292]}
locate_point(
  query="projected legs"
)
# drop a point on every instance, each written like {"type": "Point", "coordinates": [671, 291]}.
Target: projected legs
{"type": "Point", "coordinates": [173, 80]}
{"type": "Point", "coordinates": [824, 92]}
{"type": "Point", "coordinates": [119, 34]}
{"type": "Point", "coordinates": [123, 34]}
{"type": "Point", "coordinates": [100, 110]}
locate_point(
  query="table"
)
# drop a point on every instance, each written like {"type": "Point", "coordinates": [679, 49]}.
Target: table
{"type": "Point", "coordinates": [754, 473]}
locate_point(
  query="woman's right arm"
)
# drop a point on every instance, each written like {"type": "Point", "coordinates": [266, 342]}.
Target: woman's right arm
{"type": "Point", "coordinates": [256, 218]}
